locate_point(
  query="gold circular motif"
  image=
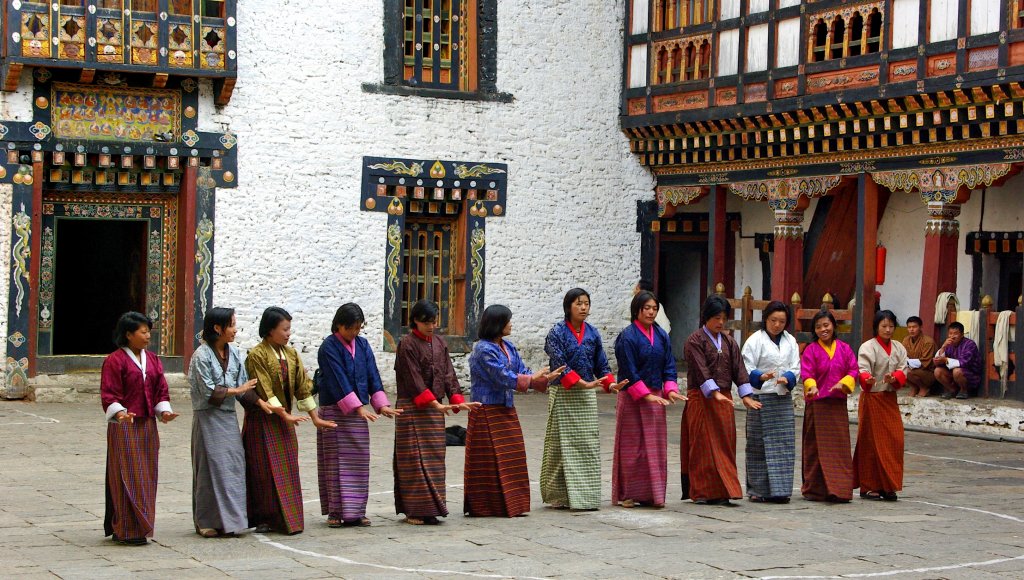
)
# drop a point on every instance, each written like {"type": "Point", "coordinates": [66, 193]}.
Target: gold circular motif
{"type": "Point", "coordinates": [3, 172]}
{"type": "Point", "coordinates": [27, 180]}
{"type": "Point", "coordinates": [190, 112]}
{"type": "Point", "coordinates": [18, 178]}
{"type": "Point", "coordinates": [229, 177]}
{"type": "Point", "coordinates": [42, 103]}
{"type": "Point", "coordinates": [498, 210]}
{"type": "Point", "coordinates": [371, 203]}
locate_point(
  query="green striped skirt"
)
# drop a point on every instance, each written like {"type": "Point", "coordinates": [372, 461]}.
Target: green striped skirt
{"type": "Point", "coordinates": [570, 474]}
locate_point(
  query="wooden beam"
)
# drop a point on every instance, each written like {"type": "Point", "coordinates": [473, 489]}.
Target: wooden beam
{"type": "Point", "coordinates": [11, 73]}
{"type": "Point", "coordinates": [86, 76]}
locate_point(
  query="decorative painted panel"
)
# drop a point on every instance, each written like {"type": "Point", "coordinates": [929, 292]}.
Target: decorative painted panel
{"type": "Point", "coordinates": [439, 197]}
{"type": "Point", "coordinates": [941, 183]}
{"type": "Point", "coordinates": [204, 239]}
{"type": "Point", "coordinates": [115, 114]}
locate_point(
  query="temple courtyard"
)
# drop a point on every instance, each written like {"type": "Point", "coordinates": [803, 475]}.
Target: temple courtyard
{"type": "Point", "coordinates": [961, 515]}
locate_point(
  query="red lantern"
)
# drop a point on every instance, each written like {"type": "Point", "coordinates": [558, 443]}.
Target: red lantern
{"type": "Point", "coordinates": [879, 265]}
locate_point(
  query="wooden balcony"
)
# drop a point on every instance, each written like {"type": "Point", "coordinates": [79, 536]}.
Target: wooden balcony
{"type": "Point", "coordinates": [161, 38]}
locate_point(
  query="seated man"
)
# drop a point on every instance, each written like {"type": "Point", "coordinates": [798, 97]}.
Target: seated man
{"type": "Point", "coordinates": [920, 350]}
{"type": "Point", "coordinates": [958, 364]}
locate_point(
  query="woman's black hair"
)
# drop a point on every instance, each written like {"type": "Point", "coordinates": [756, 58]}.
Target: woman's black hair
{"type": "Point", "coordinates": [822, 314]}
{"type": "Point", "coordinates": [646, 284]}
{"type": "Point", "coordinates": [915, 320]}
{"type": "Point", "coordinates": [570, 298]}
{"type": "Point", "coordinates": [272, 317]}
{"type": "Point", "coordinates": [347, 315]}
{"type": "Point", "coordinates": [130, 322]}
{"type": "Point", "coordinates": [713, 306]}
{"type": "Point", "coordinates": [216, 317]}
{"type": "Point", "coordinates": [885, 315]}
{"type": "Point", "coordinates": [642, 297]}
{"type": "Point", "coordinates": [493, 321]}
{"type": "Point", "coordinates": [773, 307]}
{"type": "Point", "coordinates": [423, 311]}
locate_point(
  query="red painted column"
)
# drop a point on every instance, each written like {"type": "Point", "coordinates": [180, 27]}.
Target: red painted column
{"type": "Point", "coordinates": [788, 257]}
{"type": "Point", "coordinates": [716, 238]}
{"type": "Point", "coordinates": [941, 239]}
{"type": "Point", "coordinates": [35, 263]}
{"type": "Point", "coordinates": [186, 279]}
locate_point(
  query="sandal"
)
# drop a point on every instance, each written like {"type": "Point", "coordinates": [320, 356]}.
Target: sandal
{"type": "Point", "coordinates": [627, 503]}
{"type": "Point", "coordinates": [208, 532]}
{"type": "Point", "coordinates": [889, 496]}
{"type": "Point", "coordinates": [333, 522]}
{"type": "Point", "coordinates": [757, 499]}
{"type": "Point", "coordinates": [872, 495]}
{"type": "Point", "coordinates": [356, 523]}
{"type": "Point", "coordinates": [413, 521]}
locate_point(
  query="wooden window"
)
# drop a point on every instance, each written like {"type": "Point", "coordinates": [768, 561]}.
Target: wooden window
{"type": "Point", "coordinates": [677, 64]}
{"type": "Point", "coordinates": [757, 48]}
{"type": "Point", "coordinates": [428, 248]}
{"type": "Point", "coordinates": [439, 44]}
{"type": "Point", "coordinates": [874, 31]}
{"type": "Point", "coordinates": [984, 16]}
{"type": "Point", "coordinates": [787, 43]}
{"type": "Point", "coordinates": [819, 41]}
{"type": "Point", "coordinates": [728, 52]}
{"type": "Point", "coordinates": [638, 20]}
{"type": "Point", "coordinates": [906, 14]}
{"type": "Point", "coordinates": [662, 68]}
{"type": "Point", "coordinates": [856, 34]}
{"type": "Point", "coordinates": [840, 38]}
{"type": "Point", "coordinates": [943, 19]}
{"type": "Point", "coordinates": [1017, 14]}
{"type": "Point", "coordinates": [145, 6]}
{"type": "Point", "coordinates": [637, 66]}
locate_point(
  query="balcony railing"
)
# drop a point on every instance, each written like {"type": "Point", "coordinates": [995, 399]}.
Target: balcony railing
{"type": "Point", "coordinates": [160, 37]}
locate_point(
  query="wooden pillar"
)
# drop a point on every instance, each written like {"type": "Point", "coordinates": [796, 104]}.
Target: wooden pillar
{"type": "Point", "coordinates": [867, 241]}
{"type": "Point", "coordinates": [941, 239]}
{"type": "Point", "coordinates": [35, 264]}
{"type": "Point", "coordinates": [717, 230]}
{"type": "Point", "coordinates": [788, 258]}
{"type": "Point", "coordinates": [185, 327]}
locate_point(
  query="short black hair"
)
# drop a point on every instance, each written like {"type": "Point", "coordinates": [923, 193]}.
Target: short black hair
{"type": "Point", "coordinates": [570, 298]}
{"type": "Point", "coordinates": [216, 316]}
{"type": "Point", "coordinates": [885, 315]}
{"type": "Point", "coordinates": [642, 297]}
{"type": "Point", "coordinates": [957, 326]}
{"type": "Point", "coordinates": [713, 306]}
{"type": "Point", "coordinates": [773, 307]}
{"type": "Point", "coordinates": [915, 320]}
{"type": "Point", "coordinates": [348, 314]}
{"type": "Point", "coordinates": [822, 314]}
{"type": "Point", "coordinates": [423, 311]}
{"type": "Point", "coordinates": [272, 317]}
{"type": "Point", "coordinates": [493, 321]}
{"type": "Point", "coordinates": [130, 322]}
{"type": "Point", "coordinates": [646, 284]}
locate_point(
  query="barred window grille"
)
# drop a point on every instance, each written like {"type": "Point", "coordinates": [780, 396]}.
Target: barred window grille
{"type": "Point", "coordinates": [427, 252]}
{"type": "Point", "coordinates": [439, 44]}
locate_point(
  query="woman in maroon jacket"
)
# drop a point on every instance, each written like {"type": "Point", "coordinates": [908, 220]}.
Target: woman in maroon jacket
{"type": "Point", "coordinates": [133, 392]}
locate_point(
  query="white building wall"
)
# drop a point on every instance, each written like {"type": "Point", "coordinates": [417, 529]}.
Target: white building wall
{"type": "Point", "coordinates": [292, 233]}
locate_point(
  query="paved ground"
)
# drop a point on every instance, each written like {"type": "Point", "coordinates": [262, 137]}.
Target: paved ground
{"type": "Point", "coordinates": [960, 516]}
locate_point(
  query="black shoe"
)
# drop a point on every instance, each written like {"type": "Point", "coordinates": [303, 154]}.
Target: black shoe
{"type": "Point", "coordinates": [962, 395]}
{"type": "Point", "coordinates": [947, 395]}
{"type": "Point", "coordinates": [889, 496]}
{"type": "Point", "coordinates": [778, 499]}
{"type": "Point", "coordinates": [133, 542]}
{"type": "Point", "coordinates": [263, 529]}
{"type": "Point", "coordinates": [872, 495]}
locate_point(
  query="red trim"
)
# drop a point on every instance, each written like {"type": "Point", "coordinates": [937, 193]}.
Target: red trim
{"type": "Point", "coordinates": [456, 399]}
{"type": "Point", "coordinates": [185, 325]}
{"type": "Point", "coordinates": [901, 379]}
{"type": "Point", "coordinates": [570, 378]}
{"type": "Point", "coordinates": [579, 335]}
{"type": "Point", "coordinates": [424, 399]}
{"type": "Point", "coordinates": [607, 382]}
{"type": "Point", "coordinates": [864, 378]}
{"type": "Point", "coordinates": [422, 336]}
{"type": "Point", "coordinates": [886, 345]}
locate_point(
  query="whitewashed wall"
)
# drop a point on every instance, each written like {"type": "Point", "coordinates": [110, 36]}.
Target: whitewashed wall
{"type": "Point", "coordinates": [292, 233]}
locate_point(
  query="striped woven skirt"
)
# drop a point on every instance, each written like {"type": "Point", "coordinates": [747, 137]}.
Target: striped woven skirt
{"type": "Point", "coordinates": [708, 449]}
{"type": "Point", "coordinates": [771, 446]}
{"type": "Point", "coordinates": [419, 462]}
{"type": "Point", "coordinates": [878, 460]}
{"type": "Point", "coordinates": [132, 454]}
{"type": "Point", "coordinates": [640, 459]}
{"type": "Point", "coordinates": [570, 473]}
{"type": "Point", "coordinates": [497, 483]}
{"type": "Point", "coordinates": [218, 472]}
{"type": "Point", "coordinates": [343, 464]}
{"type": "Point", "coordinates": [827, 464]}
{"type": "Point", "coordinates": [272, 472]}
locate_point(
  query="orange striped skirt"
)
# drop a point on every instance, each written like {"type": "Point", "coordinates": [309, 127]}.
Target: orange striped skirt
{"type": "Point", "coordinates": [878, 460]}
{"type": "Point", "coordinates": [419, 462]}
{"type": "Point", "coordinates": [708, 449]}
{"type": "Point", "coordinates": [497, 482]}
{"type": "Point", "coordinates": [827, 465]}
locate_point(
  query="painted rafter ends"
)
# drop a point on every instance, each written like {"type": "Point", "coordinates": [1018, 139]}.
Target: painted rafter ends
{"type": "Point", "coordinates": [942, 184]}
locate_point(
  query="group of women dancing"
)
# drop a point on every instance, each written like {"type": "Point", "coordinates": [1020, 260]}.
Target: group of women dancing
{"type": "Point", "coordinates": [249, 479]}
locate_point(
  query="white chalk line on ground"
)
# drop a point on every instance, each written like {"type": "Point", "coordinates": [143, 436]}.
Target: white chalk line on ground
{"type": "Point", "coordinates": [341, 560]}
{"type": "Point", "coordinates": [42, 420]}
{"type": "Point", "coordinates": [920, 570]}
{"type": "Point", "coordinates": [966, 461]}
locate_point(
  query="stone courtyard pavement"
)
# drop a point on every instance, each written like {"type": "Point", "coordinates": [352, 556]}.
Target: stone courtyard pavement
{"type": "Point", "coordinates": [960, 516]}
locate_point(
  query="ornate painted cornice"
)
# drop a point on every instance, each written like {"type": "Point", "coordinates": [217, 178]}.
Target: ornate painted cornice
{"type": "Point", "coordinates": [676, 195]}
{"type": "Point", "coordinates": [783, 194]}
{"type": "Point", "coordinates": [941, 184]}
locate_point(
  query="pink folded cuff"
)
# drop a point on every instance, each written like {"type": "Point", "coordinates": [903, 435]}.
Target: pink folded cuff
{"type": "Point", "coordinates": [523, 383]}
{"type": "Point", "coordinates": [670, 387]}
{"type": "Point", "coordinates": [638, 391]}
{"type": "Point", "coordinates": [379, 400]}
{"type": "Point", "coordinates": [349, 403]}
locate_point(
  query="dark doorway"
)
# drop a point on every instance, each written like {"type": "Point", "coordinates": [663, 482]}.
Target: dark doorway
{"type": "Point", "coordinates": [1011, 269]}
{"type": "Point", "coordinates": [682, 280]}
{"type": "Point", "coordinates": [100, 273]}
